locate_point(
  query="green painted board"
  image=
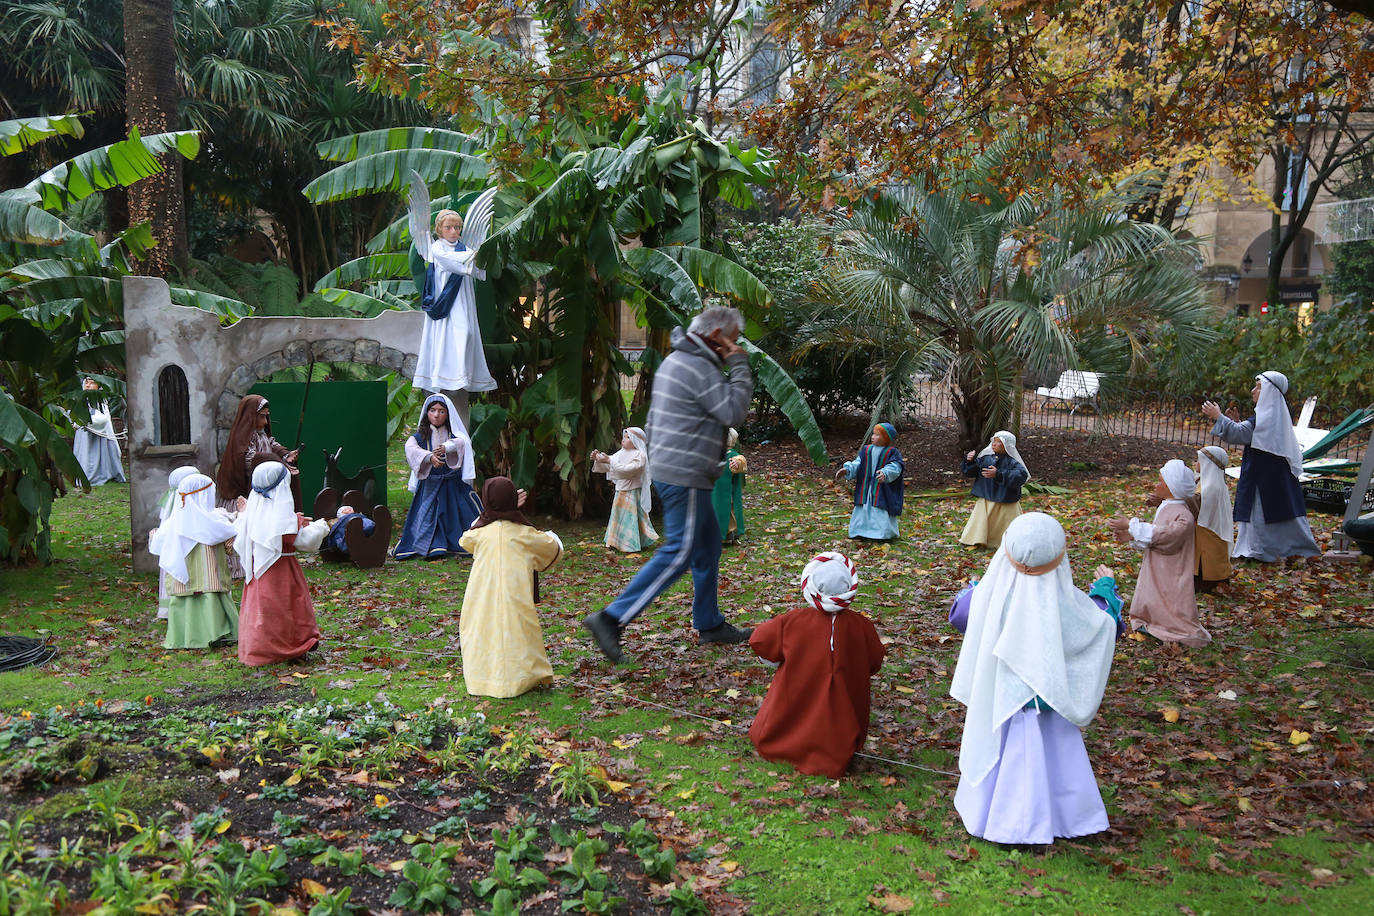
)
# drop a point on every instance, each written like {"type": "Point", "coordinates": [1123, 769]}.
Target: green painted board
{"type": "Point", "coordinates": [347, 415]}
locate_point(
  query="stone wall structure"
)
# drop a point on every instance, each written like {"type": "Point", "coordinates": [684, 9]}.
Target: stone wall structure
{"type": "Point", "coordinates": [220, 365]}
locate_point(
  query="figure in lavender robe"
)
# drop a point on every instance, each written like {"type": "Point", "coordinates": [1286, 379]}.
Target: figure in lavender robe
{"type": "Point", "coordinates": [1031, 672]}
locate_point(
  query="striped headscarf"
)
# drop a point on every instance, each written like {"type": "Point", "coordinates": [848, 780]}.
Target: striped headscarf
{"type": "Point", "coordinates": [829, 582]}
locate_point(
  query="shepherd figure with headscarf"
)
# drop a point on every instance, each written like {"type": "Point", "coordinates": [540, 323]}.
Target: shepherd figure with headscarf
{"type": "Point", "coordinates": [728, 496]}
{"type": "Point", "coordinates": [876, 473]}
{"type": "Point", "coordinates": [1215, 528]}
{"type": "Point", "coordinates": [277, 616]}
{"type": "Point", "coordinates": [1032, 670]}
{"type": "Point", "coordinates": [1165, 604]}
{"type": "Point", "coordinates": [815, 715]}
{"type": "Point", "coordinates": [164, 511]}
{"type": "Point", "coordinates": [189, 545]}
{"type": "Point", "coordinates": [629, 528]}
{"type": "Point", "coordinates": [1270, 514]}
{"type": "Point", "coordinates": [998, 473]}
{"type": "Point", "coordinates": [502, 642]}
{"type": "Point", "coordinates": [441, 474]}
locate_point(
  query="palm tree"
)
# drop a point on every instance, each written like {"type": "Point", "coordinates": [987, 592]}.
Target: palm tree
{"type": "Point", "coordinates": [266, 87]}
{"type": "Point", "coordinates": [981, 287]}
{"type": "Point", "coordinates": [150, 80]}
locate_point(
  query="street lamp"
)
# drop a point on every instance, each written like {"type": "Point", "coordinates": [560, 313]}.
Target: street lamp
{"type": "Point", "coordinates": [1247, 263]}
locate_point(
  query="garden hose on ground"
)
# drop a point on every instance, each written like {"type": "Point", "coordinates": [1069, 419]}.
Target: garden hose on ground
{"type": "Point", "coordinates": [21, 651]}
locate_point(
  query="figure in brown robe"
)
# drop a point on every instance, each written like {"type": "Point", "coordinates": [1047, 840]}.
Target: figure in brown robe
{"type": "Point", "coordinates": [250, 444]}
{"type": "Point", "coordinates": [815, 715]}
{"type": "Point", "coordinates": [1164, 604]}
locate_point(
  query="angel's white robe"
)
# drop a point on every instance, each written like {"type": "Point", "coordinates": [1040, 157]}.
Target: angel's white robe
{"type": "Point", "coordinates": [451, 357]}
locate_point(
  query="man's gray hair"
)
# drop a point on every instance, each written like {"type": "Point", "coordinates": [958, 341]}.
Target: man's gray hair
{"type": "Point", "coordinates": [717, 318]}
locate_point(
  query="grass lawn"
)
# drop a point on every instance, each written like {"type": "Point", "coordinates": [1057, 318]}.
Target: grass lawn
{"type": "Point", "coordinates": [1234, 775]}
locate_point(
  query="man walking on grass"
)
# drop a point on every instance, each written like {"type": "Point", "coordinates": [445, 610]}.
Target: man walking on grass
{"type": "Point", "coordinates": [693, 404]}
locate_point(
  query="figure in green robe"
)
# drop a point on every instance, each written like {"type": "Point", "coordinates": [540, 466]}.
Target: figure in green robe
{"type": "Point", "coordinates": [728, 496]}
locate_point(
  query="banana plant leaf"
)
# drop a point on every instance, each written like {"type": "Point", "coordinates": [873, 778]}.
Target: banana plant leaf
{"type": "Point", "coordinates": [360, 304]}
{"type": "Point", "coordinates": [556, 205]}
{"type": "Point", "coordinates": [22, 133]}
{"type": "Point", "coordinates": [21, 220]}
{"type": "Point", "coordinates": [117, 165]}
{"type": "Point", "coordinates": [487, 422]}
{"type": "Point", "coordinates": [369, 143]}
{"type": "Point", "coordinates": [224, 308]}
{"type": "Point", "coordinates": [390, 171]}
{"type": "Point", "coordinates": [369, 267]}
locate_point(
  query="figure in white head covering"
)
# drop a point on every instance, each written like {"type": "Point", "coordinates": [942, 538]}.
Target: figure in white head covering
{"type": "Point", "coordinates": [442, 470]}
{"type": "Point", "coordinates": [164, 509]}
{"type": "Point", "coordinates": [727, 499]}
{"type": "Point", "coordinates": [815, 715]}
{"type": "Point", "coordinates": [189, 545]}
{"type": "Point", "coordinates": [1031, 672]}
{"type": "Point", "coordinates": [1164, 604]}
{"type": "Point", "coordinates": [1270, 514]}
{"type": "Point", "coordinates": [277, 618]}
{"type": "Point", "coordinates": [96, 446]}
{"type": "Point", "coordinates": [1214, 524]}
{"type": "Point", "coordinates": [628, 470]}
{"type": "Point", "coordinates": [998, 474]}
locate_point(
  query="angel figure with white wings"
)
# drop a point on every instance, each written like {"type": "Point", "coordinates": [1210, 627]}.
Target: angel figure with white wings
{"type": "Point", "coordinates": [450, 358]}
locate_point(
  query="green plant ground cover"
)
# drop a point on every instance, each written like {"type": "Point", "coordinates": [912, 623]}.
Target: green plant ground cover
{"type": "Point", "coordinates": [1234, 775]}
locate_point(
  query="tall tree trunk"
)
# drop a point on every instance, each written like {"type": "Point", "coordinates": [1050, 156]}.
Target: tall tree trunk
{"type": "Point", "coordinates": [151, 108]}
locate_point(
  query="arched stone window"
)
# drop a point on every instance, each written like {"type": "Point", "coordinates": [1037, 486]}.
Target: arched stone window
{"type": "Point", "coordinates": [173, 415]}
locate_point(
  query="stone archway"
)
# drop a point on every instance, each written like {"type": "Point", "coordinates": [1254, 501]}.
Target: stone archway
{"type": "Point", "coordinates": [220, 365]}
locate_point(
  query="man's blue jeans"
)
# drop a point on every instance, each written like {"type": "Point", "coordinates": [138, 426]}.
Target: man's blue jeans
{"type": "Point", "coordinates": [691, 539]}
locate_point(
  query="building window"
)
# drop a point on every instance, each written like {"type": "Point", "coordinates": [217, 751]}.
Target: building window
{"type": "Point", "coordinates": [173, 408]}
{"type": "Point", "coordinates": [764, 69]}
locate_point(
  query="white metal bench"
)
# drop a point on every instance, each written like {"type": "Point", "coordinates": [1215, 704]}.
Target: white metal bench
{"type": "Point", "coordinates": [1075, 387]}
{"type": "Point", "coordinates": [1308, 435]}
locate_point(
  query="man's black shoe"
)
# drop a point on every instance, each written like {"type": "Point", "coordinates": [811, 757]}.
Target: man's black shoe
{"type": "Point", "coordinates": [606, 631]}
{"type": "Point", "coordinates": [725, 634]}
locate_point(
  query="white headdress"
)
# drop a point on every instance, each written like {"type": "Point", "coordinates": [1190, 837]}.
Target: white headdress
{"type": "Point", "coordinates": [192, 520]}
{"type": "Point", "coordinates": [1008, 443]}
{"type": "Point", "coordinates": [270, 513]}
{"type": "Point", "coordinates": [1273, 422]}
{"type": "Point", "coordinates": [1178, 477]}
{"type": "Point", "coordinates": [1030, 633]}
{"type": "Point", "coordinates": [646, 490]}
{"type": "Point", "coordinates": [1215, 512]}
{"type": "Point", "coordinates": [456, 431]}
{"type": "Point", "coordinates": [829, 582]}
{"type": "Point", "coordinates": [174, 480]}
